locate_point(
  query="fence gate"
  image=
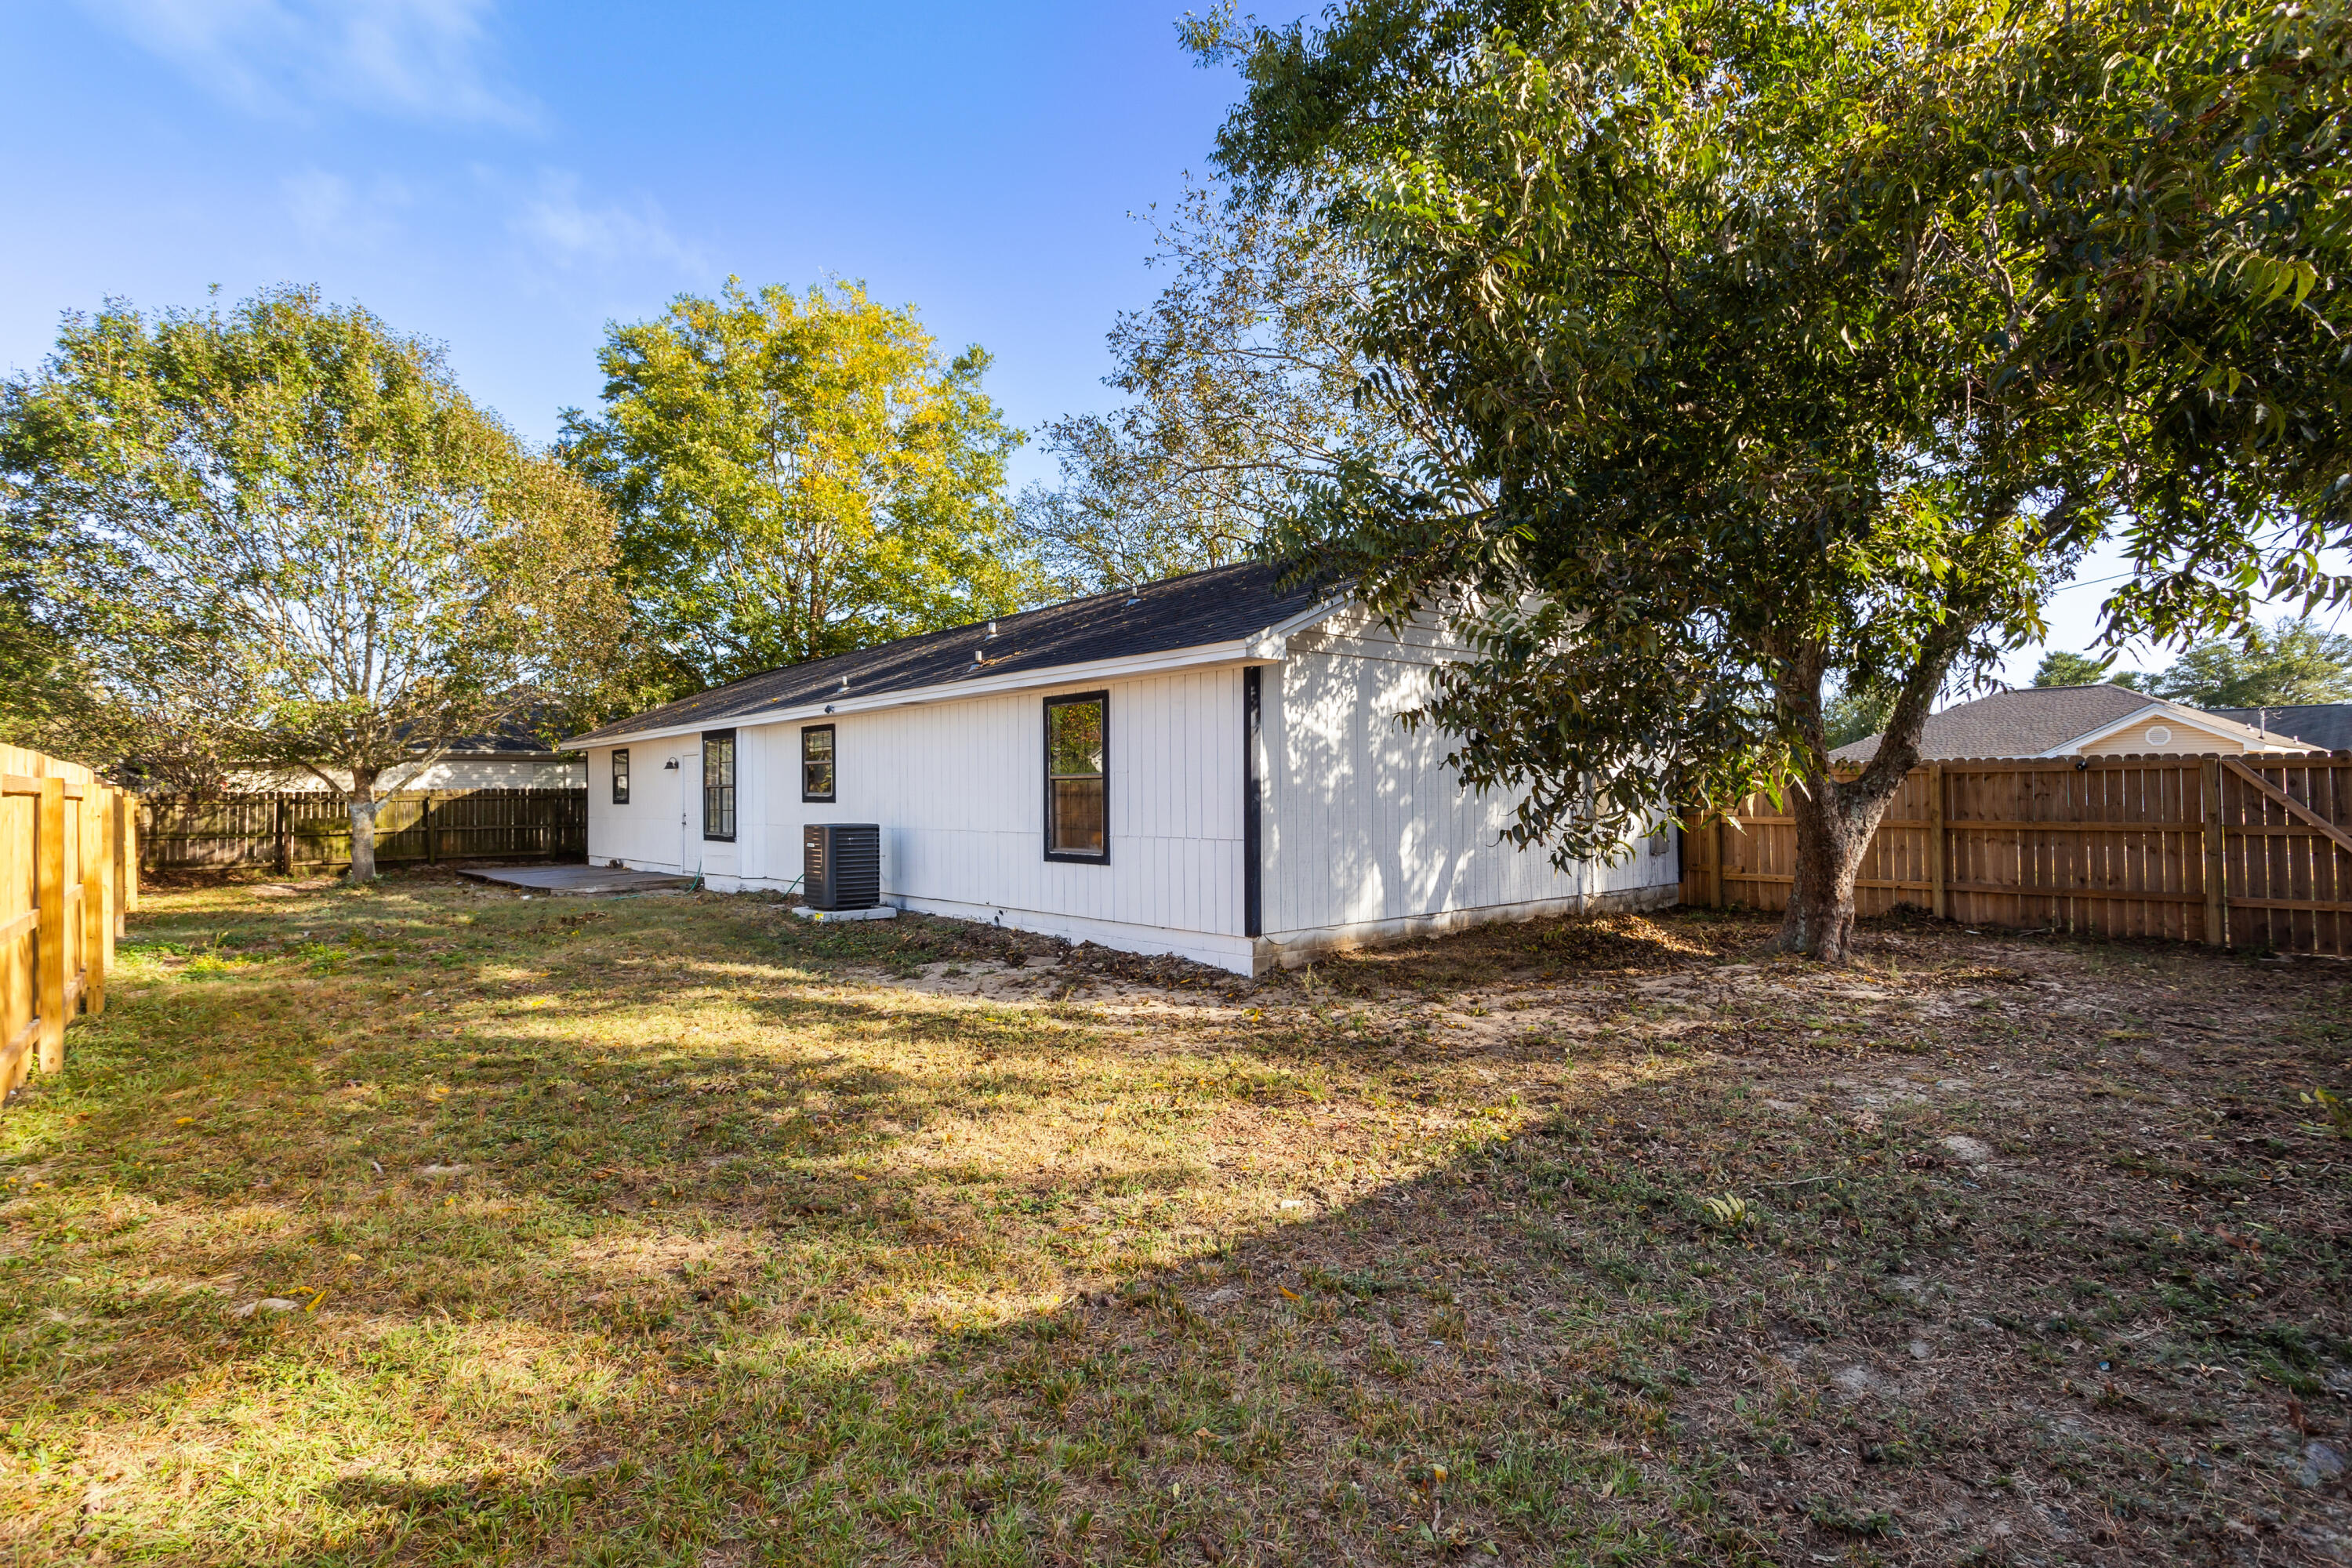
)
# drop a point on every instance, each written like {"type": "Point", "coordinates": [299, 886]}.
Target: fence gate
{"type": "Point", "coordinates": [2253, 851]}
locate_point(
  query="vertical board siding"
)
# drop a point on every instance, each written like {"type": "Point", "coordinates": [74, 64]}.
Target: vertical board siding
{"type": "Point", "coordinates": [1367, 823]}
{"type": "Point", "coordinates": [958, 788]}
{"type": "Point", "coordinates": [2108, 846]}
{"type": "Point", "coordinates": [1362, 820]}
{"type": "Point", "coordinates": [645, 832]}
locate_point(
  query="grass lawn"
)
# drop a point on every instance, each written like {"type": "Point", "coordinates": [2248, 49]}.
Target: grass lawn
{"type": "Point", "coordinates": [427, 1223]}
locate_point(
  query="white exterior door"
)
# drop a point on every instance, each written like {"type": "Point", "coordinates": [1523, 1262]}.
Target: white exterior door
{"type": "Point", "coordinates": [689, 808]}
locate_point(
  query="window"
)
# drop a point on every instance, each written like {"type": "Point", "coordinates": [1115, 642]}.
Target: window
{"type": "Point", "coordinates": [718, 783]}
{"type": "Point", "coordinates": [621, 777]}
{"type": "Point", "coordinates": [817, 762]}
{"type": "Point", "coordinates": [1077, 826]}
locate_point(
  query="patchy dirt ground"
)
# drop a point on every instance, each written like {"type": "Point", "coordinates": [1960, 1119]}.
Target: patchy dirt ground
{"type": "Point", "coordinates": [428, 1224]}
{"type": "Point", "coordinates": [2061, 1067]}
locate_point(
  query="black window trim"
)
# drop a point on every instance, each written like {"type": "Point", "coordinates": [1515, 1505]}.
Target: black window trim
{"type": "Point", "coordinates": [620, 771]}
{"type": "Point", "coordinates": [733, 786]}
{"type": "Point", "coordinates": [1045, 760]}
{"type": "Point", "coordinates": [830, 795]}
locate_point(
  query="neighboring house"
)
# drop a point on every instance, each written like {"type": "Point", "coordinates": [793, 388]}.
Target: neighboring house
{"type": "Point", "coordinates": [2085, 721]}
{"type": "Point", "coordinates": [2321, 726]}
{"type": "Point", "coordinates": [1209, 766]}
{"type": "Point", "coordinates": [513, 758]}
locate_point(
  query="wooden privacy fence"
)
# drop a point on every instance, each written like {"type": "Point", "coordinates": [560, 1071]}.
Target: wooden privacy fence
{"type": "Point", "coordinates": [67, 877]}
{"type": "Point", "coordinates": [298, 828]}
{"type": "Point", "coordinates": [2253, 851]}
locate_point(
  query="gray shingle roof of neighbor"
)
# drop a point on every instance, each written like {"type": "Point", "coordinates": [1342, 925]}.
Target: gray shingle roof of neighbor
{"type": "Point", "coordinates": [2022, 723]}
{"type": "Point", "coordinates": [522, 734]}
{"type": "Point", "coordinates": [2323, 726]}
{"type": "Point", "coordinates": [1222, 603]}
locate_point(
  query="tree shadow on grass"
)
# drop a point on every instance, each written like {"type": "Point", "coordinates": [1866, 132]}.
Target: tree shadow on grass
{"type": "Point", "coordinates": [660, 1319]}
{"type": "Point", "coordinates": [1549, 1351]}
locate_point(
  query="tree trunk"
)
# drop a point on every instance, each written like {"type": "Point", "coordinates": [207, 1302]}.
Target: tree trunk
{"type": "Point", "coordinates": [1835, 823]}
{"type": "Point", "coordinates": [363, 804]}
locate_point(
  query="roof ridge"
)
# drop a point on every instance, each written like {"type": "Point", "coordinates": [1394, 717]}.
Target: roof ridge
{"type": "Point", "coordinates": [2271, 706]}
{"type": "Point", "coordinates": [936, 632]}
{"type": "Point", "coordinates": [1238, 599]}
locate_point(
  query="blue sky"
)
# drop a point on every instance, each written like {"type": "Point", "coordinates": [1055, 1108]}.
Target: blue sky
{"type": "Point", "coordinates": [508, 176]}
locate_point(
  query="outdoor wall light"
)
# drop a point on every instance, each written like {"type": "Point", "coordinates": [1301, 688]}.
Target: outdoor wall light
{"type": "Point", "coordinates": [670, 766]}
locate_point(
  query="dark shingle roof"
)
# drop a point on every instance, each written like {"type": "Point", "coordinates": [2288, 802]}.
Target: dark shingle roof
{"type": "Point", "coordinates": [2022, 723]}
{"type": "Point", "coordinates": [1221, 605]}
{"type": "Point", "coordinates": [2323, 726]}
{"type": "Point", "coordinates": [522, 734]}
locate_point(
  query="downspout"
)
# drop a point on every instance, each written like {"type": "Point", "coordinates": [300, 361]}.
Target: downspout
{"type": "Point", "coordinates": [1253, 785]}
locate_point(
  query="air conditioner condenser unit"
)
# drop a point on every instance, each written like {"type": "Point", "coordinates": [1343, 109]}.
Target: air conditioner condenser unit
{"type": "Point", "coordinates": [841, 865]}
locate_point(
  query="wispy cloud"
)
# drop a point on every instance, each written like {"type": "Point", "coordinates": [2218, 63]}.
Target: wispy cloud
{"type": "Point", "coordinates": [331, 211]}
{"type": "Point", "coordinates": [422, 59]}
{"type": "Point", "coordinates": [560, 228]}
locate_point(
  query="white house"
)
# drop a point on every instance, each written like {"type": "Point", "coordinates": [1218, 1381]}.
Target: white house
{"type": "Point", "coordinates": [1209, 766]}
{"type": "Point", "coordinates": [511, 757]}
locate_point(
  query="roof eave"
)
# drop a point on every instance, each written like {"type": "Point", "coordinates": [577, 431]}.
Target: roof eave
{"type": "Point", "coordinates": [547, 756]}
{"type": "Point", "coordinates": [1269, 646]}
{"type": "Point", "coordinates": [2196, 718]}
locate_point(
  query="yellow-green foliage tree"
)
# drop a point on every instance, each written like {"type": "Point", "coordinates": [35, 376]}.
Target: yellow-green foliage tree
{"type": "Point", "coordinates": [797, 475]}
{"type": "Point", "coordinates": [281, 534]}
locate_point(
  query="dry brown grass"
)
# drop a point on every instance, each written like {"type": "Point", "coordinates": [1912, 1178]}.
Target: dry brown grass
{"type": "Point", "coordinates": [669, 1230]}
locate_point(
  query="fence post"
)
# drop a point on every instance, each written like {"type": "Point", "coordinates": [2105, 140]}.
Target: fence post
{"type": "Point", "coordinates": [125, 827]}
{"type": "Point", "coordinates": [111, 827]}
{"type": "Point", "coordinates": [2217, 860]}
{"type": "Point", "coordinates": [50, 891]}
{"type": "Point", "coordinates": [1718, 863]}
{"type": "Point", "coordinates": [284, 825]}
{"type": "Point", "coordinates": [1938, 873]}
{"type": "Point", "coordinates": [95, 926]}
{"type": "Point", "coordinates": [432, 832]}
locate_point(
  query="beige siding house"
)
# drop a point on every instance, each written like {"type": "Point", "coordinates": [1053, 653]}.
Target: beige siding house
{"type": "Point", "coordinates": [2108, 721]}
